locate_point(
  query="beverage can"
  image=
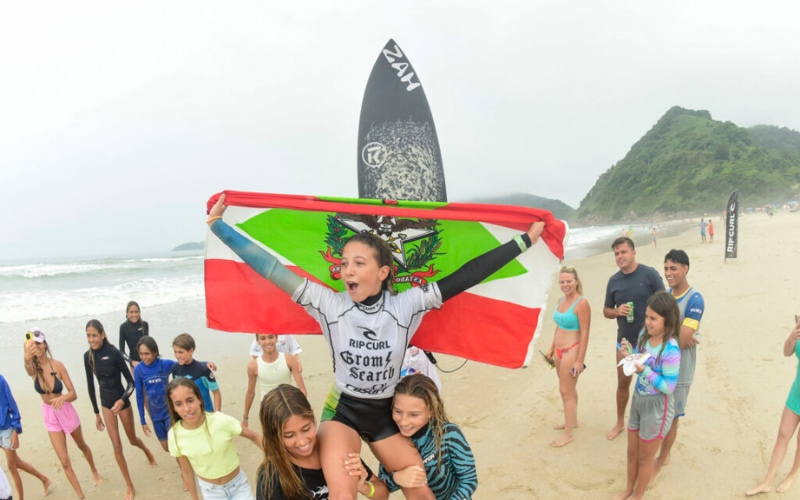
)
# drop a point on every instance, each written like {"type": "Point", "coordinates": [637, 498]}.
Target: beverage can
{"type": "Point", "coordinates": [630, 312]}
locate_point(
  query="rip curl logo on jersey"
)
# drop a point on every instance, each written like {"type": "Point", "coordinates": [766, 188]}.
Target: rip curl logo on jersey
{"type": "Point", "coordinates": [369, 334]}
{"type": "Point", "coordinates": [414, 244]}
{"type": "Point", "coordinates": [374, 154]}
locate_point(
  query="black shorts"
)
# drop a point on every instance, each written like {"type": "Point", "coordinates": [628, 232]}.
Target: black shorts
{"type": "Point", "coordinates": [125, 405]}
{"type": "Point", "coordinates": [371, 418]}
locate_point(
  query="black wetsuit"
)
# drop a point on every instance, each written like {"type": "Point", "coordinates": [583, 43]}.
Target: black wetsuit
{"type": "Point", "coordinates": [129, 334]}
{"type": "Point", "coordinates": [109, 364]}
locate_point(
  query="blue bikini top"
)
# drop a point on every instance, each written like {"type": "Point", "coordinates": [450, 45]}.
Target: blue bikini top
{"type": "Point", "coordinates": [567, 320]}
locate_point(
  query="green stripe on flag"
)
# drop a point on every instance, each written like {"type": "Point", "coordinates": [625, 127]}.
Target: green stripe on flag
{"type": "Point", "coordinates": [303, 237]}
{"type": "Point", "coordinates": [424, 205]}
{"type": "Point", "coordinates": [298, 236]}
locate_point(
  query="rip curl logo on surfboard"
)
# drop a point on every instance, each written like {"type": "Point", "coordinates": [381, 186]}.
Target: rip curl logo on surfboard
{"type": "Point", "coordinates": [414, 244]}
{"type": "Point", "coordinates": [374, 154]}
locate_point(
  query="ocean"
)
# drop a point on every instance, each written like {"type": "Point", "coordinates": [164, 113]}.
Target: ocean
{"type": "Point", "coordinates": [59, 289]}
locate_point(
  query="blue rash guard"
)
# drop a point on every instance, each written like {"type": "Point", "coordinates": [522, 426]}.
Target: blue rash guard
{"type": "Point", "coordinates": [457, 478]}
{"type": "Point", "coordinates": [153, 379]}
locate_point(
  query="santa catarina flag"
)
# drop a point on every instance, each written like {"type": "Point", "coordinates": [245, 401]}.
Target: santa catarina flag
{"type": "Point", "coordinates": [496, 321]}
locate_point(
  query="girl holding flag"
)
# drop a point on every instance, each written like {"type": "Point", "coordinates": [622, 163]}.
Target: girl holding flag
{"type": "Point", "coordinates": [367, 329]}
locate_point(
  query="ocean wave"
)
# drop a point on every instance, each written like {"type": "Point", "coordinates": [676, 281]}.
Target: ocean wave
{"type": "Point", "coordinates": [34, 305]}
{"type": "Point", "coordinates": [49, 270]}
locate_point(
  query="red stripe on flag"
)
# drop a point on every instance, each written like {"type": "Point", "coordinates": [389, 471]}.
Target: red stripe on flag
{"type": "Point", "coordinates": [480, 328]}
{"type": "Point", "coordinates": [470, 326]}
{"type": "Point", "coordinates": [240, 300]}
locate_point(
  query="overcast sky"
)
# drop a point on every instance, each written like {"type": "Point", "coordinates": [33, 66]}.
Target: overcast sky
{"type": "Point", "coordinates": [118, 121]}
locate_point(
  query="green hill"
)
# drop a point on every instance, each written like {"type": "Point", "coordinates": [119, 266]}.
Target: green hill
{"type": "Point", "coordinates": [190, 246]}
{"type": "Point", "coordinates": [690, 163]}
{"type": "Point", "coordinates": [558, 208]}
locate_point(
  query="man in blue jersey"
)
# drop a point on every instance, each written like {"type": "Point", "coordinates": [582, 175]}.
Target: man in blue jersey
{"type": "Point", "coordinates": [635, 283]}
{"type": "Point", "coordinates": [691, 305]}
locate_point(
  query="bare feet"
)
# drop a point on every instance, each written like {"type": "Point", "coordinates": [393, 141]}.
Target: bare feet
{"type": "Point", "coordinates": [46, 483]}
{"type": "Point", "coordinates": [561, 441]}
{"type": "Point", "coordinates": [96, 477]}
{"type": "Point", "coordinates": [786, 484]}
{"type": "Point", "coordinates": [614, 432]}
{"type": "Point", "coordinates": [562, 426]}
{"type": "Point", "coordinates": [129, 494]}
{"type": "Point", "coordinates": [761, 488]}
{"type": "Point", "coordinates": [625, 494]}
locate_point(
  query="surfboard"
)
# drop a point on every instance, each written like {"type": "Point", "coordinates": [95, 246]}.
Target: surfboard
{"type": "Point", "coordinates": [398, 149]}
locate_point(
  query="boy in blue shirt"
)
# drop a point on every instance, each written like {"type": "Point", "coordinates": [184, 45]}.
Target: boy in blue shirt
{"type": "Point", "coordinates": [188, 367]}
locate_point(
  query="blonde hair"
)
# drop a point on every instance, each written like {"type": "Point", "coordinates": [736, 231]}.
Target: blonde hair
{"type": "Point", "coordinates": [574, 272]}
{"type": "Point", "coordinates": [423, 387]}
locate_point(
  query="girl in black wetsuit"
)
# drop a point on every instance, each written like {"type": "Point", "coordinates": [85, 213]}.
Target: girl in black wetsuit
{"type": "Point", "coordinates": [131, 331]}
{"type": "Point", "coordinates": [105, 362]}
{"type": "Point", "coordinates": [50, 379]}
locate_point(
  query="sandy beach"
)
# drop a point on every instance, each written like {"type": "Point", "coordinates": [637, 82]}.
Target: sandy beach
{"type": "Point", "coordinates": [723, 446]}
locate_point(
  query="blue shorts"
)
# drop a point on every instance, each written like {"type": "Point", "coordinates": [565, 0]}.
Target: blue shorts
{"type": "Point", "coordinates": [161, 427]}
{"type": "Point", "coordinates": [236, 489]}
{"type": "Point", "coordinates": [5, 438]}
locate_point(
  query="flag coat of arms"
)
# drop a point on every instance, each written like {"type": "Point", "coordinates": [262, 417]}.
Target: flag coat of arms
{"type": "Point", "coordinates": [496, 321]}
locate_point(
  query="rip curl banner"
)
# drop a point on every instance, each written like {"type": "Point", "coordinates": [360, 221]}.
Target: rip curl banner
{"type": "Point", "coordinates": [495, 322]}
{"type": "Point", "coordinates": [732, 226]}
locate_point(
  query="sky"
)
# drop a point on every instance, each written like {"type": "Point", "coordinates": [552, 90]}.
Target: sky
{"type": "Point", "coordinates": [119, 120]}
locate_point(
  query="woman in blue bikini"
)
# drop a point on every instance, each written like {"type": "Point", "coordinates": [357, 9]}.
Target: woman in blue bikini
{"type": "Point", "coordinates": [572, 318]}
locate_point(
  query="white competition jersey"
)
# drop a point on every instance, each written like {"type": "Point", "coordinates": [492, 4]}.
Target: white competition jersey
{"type": "Point", "coordinates": [367, 343]}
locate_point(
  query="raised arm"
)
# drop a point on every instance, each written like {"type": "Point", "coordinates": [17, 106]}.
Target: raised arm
{"type": "Point", "coordinates": [483, 266]}
{"type": "Point", "coordinates": [29, 351]}
{"type": "Point", "coordinates": [263, 262]}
